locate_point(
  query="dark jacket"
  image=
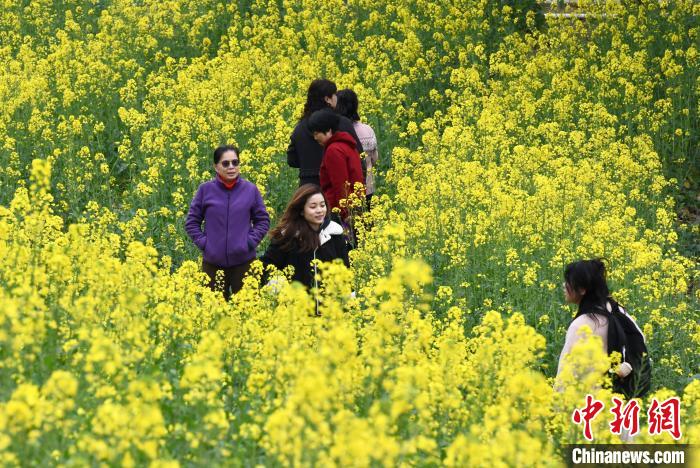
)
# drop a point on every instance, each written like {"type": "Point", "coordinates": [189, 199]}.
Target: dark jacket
{"type": "Point", "coordinates": [235, 222]}
{"type": "Point", "coordinates": [340, 171]}
{"type": "Point", "coordinates": [305, 153]}
{"type": "Point", "coordinates": [332, 246]}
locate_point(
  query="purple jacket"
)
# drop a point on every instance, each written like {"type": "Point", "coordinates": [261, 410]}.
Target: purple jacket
{"type": "Point", "coordinates": [235, 222]}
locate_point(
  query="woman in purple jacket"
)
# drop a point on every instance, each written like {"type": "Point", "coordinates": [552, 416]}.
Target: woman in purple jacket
{"type": "Point", "coordinates": [235, 222]}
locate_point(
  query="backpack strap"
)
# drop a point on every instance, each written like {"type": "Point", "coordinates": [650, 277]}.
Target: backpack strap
{"type": "Point", "coordinates": [624, 312]}
{"type": "Point", "coordinates": [617, 338]}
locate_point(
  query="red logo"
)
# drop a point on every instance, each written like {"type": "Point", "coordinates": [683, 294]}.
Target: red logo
{"type": "Point", "coordinates": [662, 417]}
{"type": "Point", "coordinates": [587, 414]}
{"type": "Point", "coordinates": [625, 418]}
{"type": "Point", "coordinates": [665, 417]}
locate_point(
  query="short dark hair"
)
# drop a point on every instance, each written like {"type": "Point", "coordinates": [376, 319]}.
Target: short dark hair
{"type": "Point", "coordinates": [218, 152]}
{"type": "Point", "coordinates": [323, 120]}
{"type": "Point", "coordinates": [348, 104]}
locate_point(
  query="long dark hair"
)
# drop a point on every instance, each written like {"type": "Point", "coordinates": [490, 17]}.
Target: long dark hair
{"type": "Point", "coordinates": [293, 231]}
{"type": "Point", "coordinates": [590, 276]}
{"type": "Point", "coordinates": [318, 90]}
{"type": "Point", "coordinates": [348, 104]}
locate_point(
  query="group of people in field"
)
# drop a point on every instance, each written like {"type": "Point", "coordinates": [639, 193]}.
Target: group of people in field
{"type": "Point", "coordinates": [326, 147]}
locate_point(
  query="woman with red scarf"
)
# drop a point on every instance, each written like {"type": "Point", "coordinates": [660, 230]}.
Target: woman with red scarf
{"type": "Point", "coordinates": [235, 222]}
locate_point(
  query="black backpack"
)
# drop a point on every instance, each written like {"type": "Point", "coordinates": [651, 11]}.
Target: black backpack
{"type": "Point", "coordinates": [625, 337]}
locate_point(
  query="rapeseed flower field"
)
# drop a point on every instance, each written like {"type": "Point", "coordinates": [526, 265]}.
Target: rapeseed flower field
{"type": "Point", "coordinates": [510, 146]}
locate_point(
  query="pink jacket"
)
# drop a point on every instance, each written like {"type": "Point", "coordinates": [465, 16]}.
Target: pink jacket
{"type": "Point", "coordinates": [369, 146]}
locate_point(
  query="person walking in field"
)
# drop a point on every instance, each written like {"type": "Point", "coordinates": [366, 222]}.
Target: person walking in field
{"type": "Point", "coordinates": [341, 172]}
{"type": "Point", "coordinates": [585, 285]}
{"type": "Point", "coordinates": [347, 106]}
{"type": "Point", "coordinates": [235, 221]}
{"type": "Point", "coordinates": [303, 151]}
{"type": "Point", "coordinates": [305, 233]}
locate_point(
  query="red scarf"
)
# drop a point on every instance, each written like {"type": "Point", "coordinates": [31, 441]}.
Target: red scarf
{"type": "Point", "coordinates": [227, 185]}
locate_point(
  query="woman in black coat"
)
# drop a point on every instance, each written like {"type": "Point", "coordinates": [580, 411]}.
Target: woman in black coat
{"type": "Point", "coordinates": [303, 151]}
{"type": "Point", "coordinates": [305, 233]}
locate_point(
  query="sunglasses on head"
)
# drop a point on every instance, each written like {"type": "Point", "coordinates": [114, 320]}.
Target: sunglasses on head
{"type": "Point", "coordinates": [231, 162]}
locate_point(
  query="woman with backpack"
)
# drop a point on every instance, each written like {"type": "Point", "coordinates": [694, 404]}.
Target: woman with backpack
{"type": "Point", "coordinates": [304, 234]}
{"type": "Point", "coordinates": [303, 151]}
{"type": "Point", "coordinates": [348, 106]}
{"type": "Point", "coordinates": [585, 285]}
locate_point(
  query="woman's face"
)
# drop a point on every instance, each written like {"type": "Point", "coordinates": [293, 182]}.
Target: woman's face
{"type": "Point", "coordinates": [332, 101]}
{"type": "Point", "coordinates": [315, 210]}
{"type": "Point", "coordinates": [571, 296]}
{"type": "Point", "coordinates": [322, 138]}
{"type": "Point", "coordinates": [227, 167]}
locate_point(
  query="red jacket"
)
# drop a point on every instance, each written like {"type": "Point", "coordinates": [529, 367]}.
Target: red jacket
{"type": "Point", "coordinates": [340, 170]}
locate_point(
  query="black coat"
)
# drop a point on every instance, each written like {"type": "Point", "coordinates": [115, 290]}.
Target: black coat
{"type": "Point", "coordinates": [333, 245]}
{"type": "Point", "coordinates": [305, 153]}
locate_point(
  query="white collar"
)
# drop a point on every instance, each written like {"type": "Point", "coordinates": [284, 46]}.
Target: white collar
{"type": "Point", "coordinates": [333, 228]}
